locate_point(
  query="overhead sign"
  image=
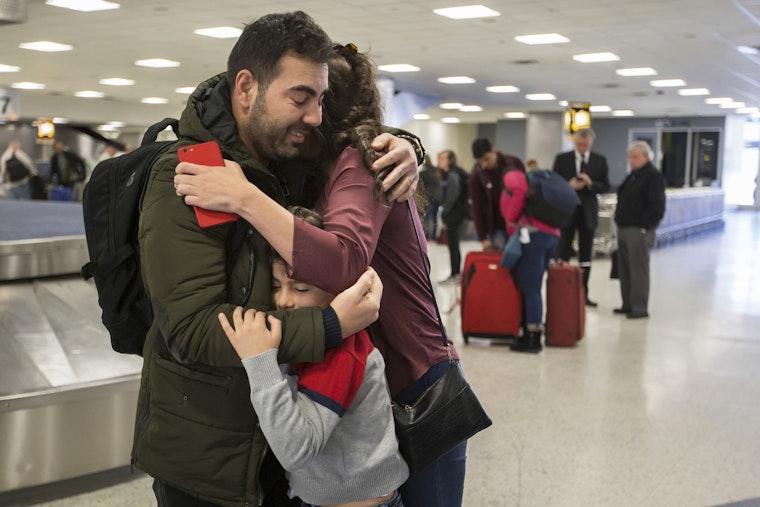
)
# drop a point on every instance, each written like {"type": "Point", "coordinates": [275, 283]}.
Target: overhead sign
{"type": "Point", "coordinates": [10, 104]}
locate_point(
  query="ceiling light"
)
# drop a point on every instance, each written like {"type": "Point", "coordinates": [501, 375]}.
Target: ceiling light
{"type": "Point", "coordinates": [540, 96]}
{"type": "Point", "coordinates": [467, 12]}
{"type": "Point", "coordinates": [185, 89]}
{"type": "Point", "coordinates": [456, 80]}
{"type": "Point", "coordinates": [622, 112]}
{"type": "Point", "coordinates": [107, 128]}
{"type": "Point", "coordinates": [450, 119]}
{"type": "Point", "coordinates": [514, 115]}
{"type": "Point", "coordinates": [117, 81]}
{"type": "Point", "coordinates": [450, 105]}
{"type": "Point", "coordinates": [157, 63]}
{"type": "Point", "coordinates": [219, 32]}
{"type": "Point", "coordinates": [600, 109]}
{"type": "Point", "coordinates": [83, 5]}
{"type": "Point", "coordinates": [398, 67]}
{"type": "Point", "coordinates": [26, 85]}
{"type": "Point", "coordinates": [421, 116]}
{"type": "Point", "coordinates": [747, 110]}
{"type": "Point", "coordinates": [596, 57]}
{"type": "Point", "coordinates": [154, 100]}
{"type": "Point", "coordinates": [718, 100]}
{"type": "Point", "coordinates": [563, 103]}
{"type": "Point", "coordinates": [89, 94]}
{"type": "Point", "coordinates": [665, 83]}
{"type": "Point", "coordinates": [61, 120]}
{"type": "Point", "coordinates": [732, 105]}
{"type": "Point", "coordinates": [747, 50]}
{"type": "Point", "coordinates": [470, 109]}
{"type": "Point", "coordinates": [693, 91]}
{"type": "Point", "coordinates": [9, 68]}
{"type": "Point", "coordinates": [117, 124]}
{"type": "Point", "coordinates": [502, 89]}
{"type": "Point", "coordinates": [542, 38]}
{"type": "Point", "coordinates": [636, 71]}
{"type": "Point", "coordinates": [46, 46]}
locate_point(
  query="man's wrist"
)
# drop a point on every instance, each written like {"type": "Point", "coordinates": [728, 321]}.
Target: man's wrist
{"type": "Point", "coordinates": [419, 150]}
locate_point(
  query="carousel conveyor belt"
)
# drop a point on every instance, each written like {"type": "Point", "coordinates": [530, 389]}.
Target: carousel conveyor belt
{"type": "Point", "coordinates": [67, 400]}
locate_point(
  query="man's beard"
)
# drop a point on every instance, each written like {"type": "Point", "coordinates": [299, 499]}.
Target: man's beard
{"type": "Point", "coordinates": [269, 138]}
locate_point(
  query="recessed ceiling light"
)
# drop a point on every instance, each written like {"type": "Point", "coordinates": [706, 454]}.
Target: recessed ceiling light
{"type": "Point", "coordinates": [747, 50]}
{"type": "Point", "coordinates": [540, 96]}
{"type": "Point", "coordinates": [157, 63]}
{"type": "Point", "coordinates": [61, 120]}
{"type": "Point", "coordinates": [600, 109]}
{"type": "Point", "coordinates": [398, 67]}
{"type": "Point", "coordinates": [46, 46]}
{"type": "Point", "coordinates": [107, 128]}
{"type": "Point", "coordinates": [84, 5]}
{"type": "Point", "coordinates": [563, 103]}
{"type": "Point", "coordinates": [117, 124]}
{"type": "Point", "coordinates": [732, 105]}
{"type": "Point", "coordinates": [117, 81]}
{"type": "Point", "coordinates": [27, 85]}
{"type": "Point", "coordinates": [9, 68]}
{"type": "Point", "coordinates": [636, 71]}
{"type": "Point", "coordinates": [718, 100]}
{"type": "Point", "coordinates": [470, 109]}
{"type": "Point", "coordinates": [467, 12]}
{"type": "Point", "coordinates": [622, 112]}
{"type": "Point", "coordinates": [450, 119]}
{"type": "Point", "coordinates": [542, 38]}
{"type": "Point", "coordinates": [185, 89]}
{"type": "Point", "coordinates": [502, 89]}
{"type": "Point", "coordinates": [421, 116]}
{"type": "Point", "coordinates": [89, 94]}
{"type": "Point", "coordinates": [596, 57]}
{"type": "Point", "coordinates": [450, 105]}
{"type": "Point", "coordinates": [747, 110]}
{"type": "Point", "coordinates": [514, 115]}
{"type": "Point", "coordinates": [154, 100]}
{"type": "Point", "coordinates": [220, 32]}
{"type": "Point", "coordinates": [456, 80]}
{"type": "Point", "coordinates": [665, 83]}
{"type": "Point", "coordinates": [693, 91]}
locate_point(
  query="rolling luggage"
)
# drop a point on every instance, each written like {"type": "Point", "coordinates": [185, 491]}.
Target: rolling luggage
{"type": "Point", "coordinates": [565, 305]}
{"type": "Point", "coordinates": [61, 193]}
{"type": "Point", "coordinates": [491, 304]}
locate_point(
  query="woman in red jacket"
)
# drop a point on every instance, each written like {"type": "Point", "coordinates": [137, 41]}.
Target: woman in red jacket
{"type": "Point", "coordinates": [529, 270]}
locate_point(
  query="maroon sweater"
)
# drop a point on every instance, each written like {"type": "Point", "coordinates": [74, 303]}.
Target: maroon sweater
{"type": "Point", "coordinates": [359, 231]}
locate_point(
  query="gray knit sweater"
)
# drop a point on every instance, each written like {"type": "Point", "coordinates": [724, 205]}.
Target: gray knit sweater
{"type": "Point", "coordinates": [335, 433]}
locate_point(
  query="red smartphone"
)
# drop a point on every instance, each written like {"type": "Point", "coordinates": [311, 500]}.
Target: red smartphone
{"type": "Point", "coordinates": [206, 154]}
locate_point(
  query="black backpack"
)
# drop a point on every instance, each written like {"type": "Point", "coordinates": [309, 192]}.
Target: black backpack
{"type": "Point", "coordinates": [111, 204]}
{"type": "Point", "coordinates": [15, 170]}
{"type": "Point", "coordinates": [550, 198]}
{"type": "Point", "coordinates": [464, 195]}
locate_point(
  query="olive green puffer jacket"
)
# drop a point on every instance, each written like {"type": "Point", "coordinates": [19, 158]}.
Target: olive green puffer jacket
{"type": "Point", "coordinates": [195, 427]}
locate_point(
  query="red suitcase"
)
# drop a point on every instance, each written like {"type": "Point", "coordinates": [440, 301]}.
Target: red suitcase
{"type": "Point", "coordinates": [491, 304]}
{"type": "Point", "coordinates": [565, 305]}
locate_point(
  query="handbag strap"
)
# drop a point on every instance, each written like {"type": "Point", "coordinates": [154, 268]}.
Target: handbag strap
{"type": "Point", "coordinates": [430, 283]}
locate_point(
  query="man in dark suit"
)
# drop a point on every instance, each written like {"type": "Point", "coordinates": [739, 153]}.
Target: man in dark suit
{"type": "Point", "coordinates": [587, 173]}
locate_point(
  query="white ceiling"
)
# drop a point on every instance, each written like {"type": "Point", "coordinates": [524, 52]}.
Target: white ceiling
{"type": "Point", "coordinates": [694, 40]}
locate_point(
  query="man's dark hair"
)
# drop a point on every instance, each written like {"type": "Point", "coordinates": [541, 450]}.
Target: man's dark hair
{"type": "Point", "coordinates": [265, 40]}
{"type": "Point", "coordinates": [480, 147]}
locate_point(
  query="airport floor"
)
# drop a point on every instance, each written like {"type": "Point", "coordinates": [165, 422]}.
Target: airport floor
{"type": "Point", "coordinates": [656, 412]}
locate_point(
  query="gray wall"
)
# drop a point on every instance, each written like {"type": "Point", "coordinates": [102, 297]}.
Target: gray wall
{"type": "Point", "coordinates": [508, 136]}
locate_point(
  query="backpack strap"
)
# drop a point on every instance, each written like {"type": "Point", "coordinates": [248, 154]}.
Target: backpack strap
{"type": "Point", "coordinates": [152, 133]}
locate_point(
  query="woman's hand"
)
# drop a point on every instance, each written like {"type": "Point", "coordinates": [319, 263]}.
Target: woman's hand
{"type": "Point", "coordinates": [214, 188]}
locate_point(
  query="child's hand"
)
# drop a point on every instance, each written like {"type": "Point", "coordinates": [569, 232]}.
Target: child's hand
{"type": "Point", "coordinates": [250, 335]}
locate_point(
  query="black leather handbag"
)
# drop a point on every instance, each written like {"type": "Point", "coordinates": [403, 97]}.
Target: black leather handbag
{"type": "Point", "coordinates": [444, 415]}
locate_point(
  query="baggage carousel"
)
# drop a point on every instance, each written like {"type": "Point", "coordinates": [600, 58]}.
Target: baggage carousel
{"type": "Point", "coordinates": [67, 400]}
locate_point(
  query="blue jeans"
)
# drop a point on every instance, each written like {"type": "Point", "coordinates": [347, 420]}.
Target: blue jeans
{"type": "Point", "coordinates": [20, 192]}
{"type": "Point", "coordinates": [498, 238]}
{"type": "Point", "coordinates": [529, 272]}
{"type": "Point", "coordinates": [442, 483]}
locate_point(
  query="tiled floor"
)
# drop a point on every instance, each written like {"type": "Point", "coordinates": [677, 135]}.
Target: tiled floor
{"type": "Point", "coordinates": [657, 412]}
